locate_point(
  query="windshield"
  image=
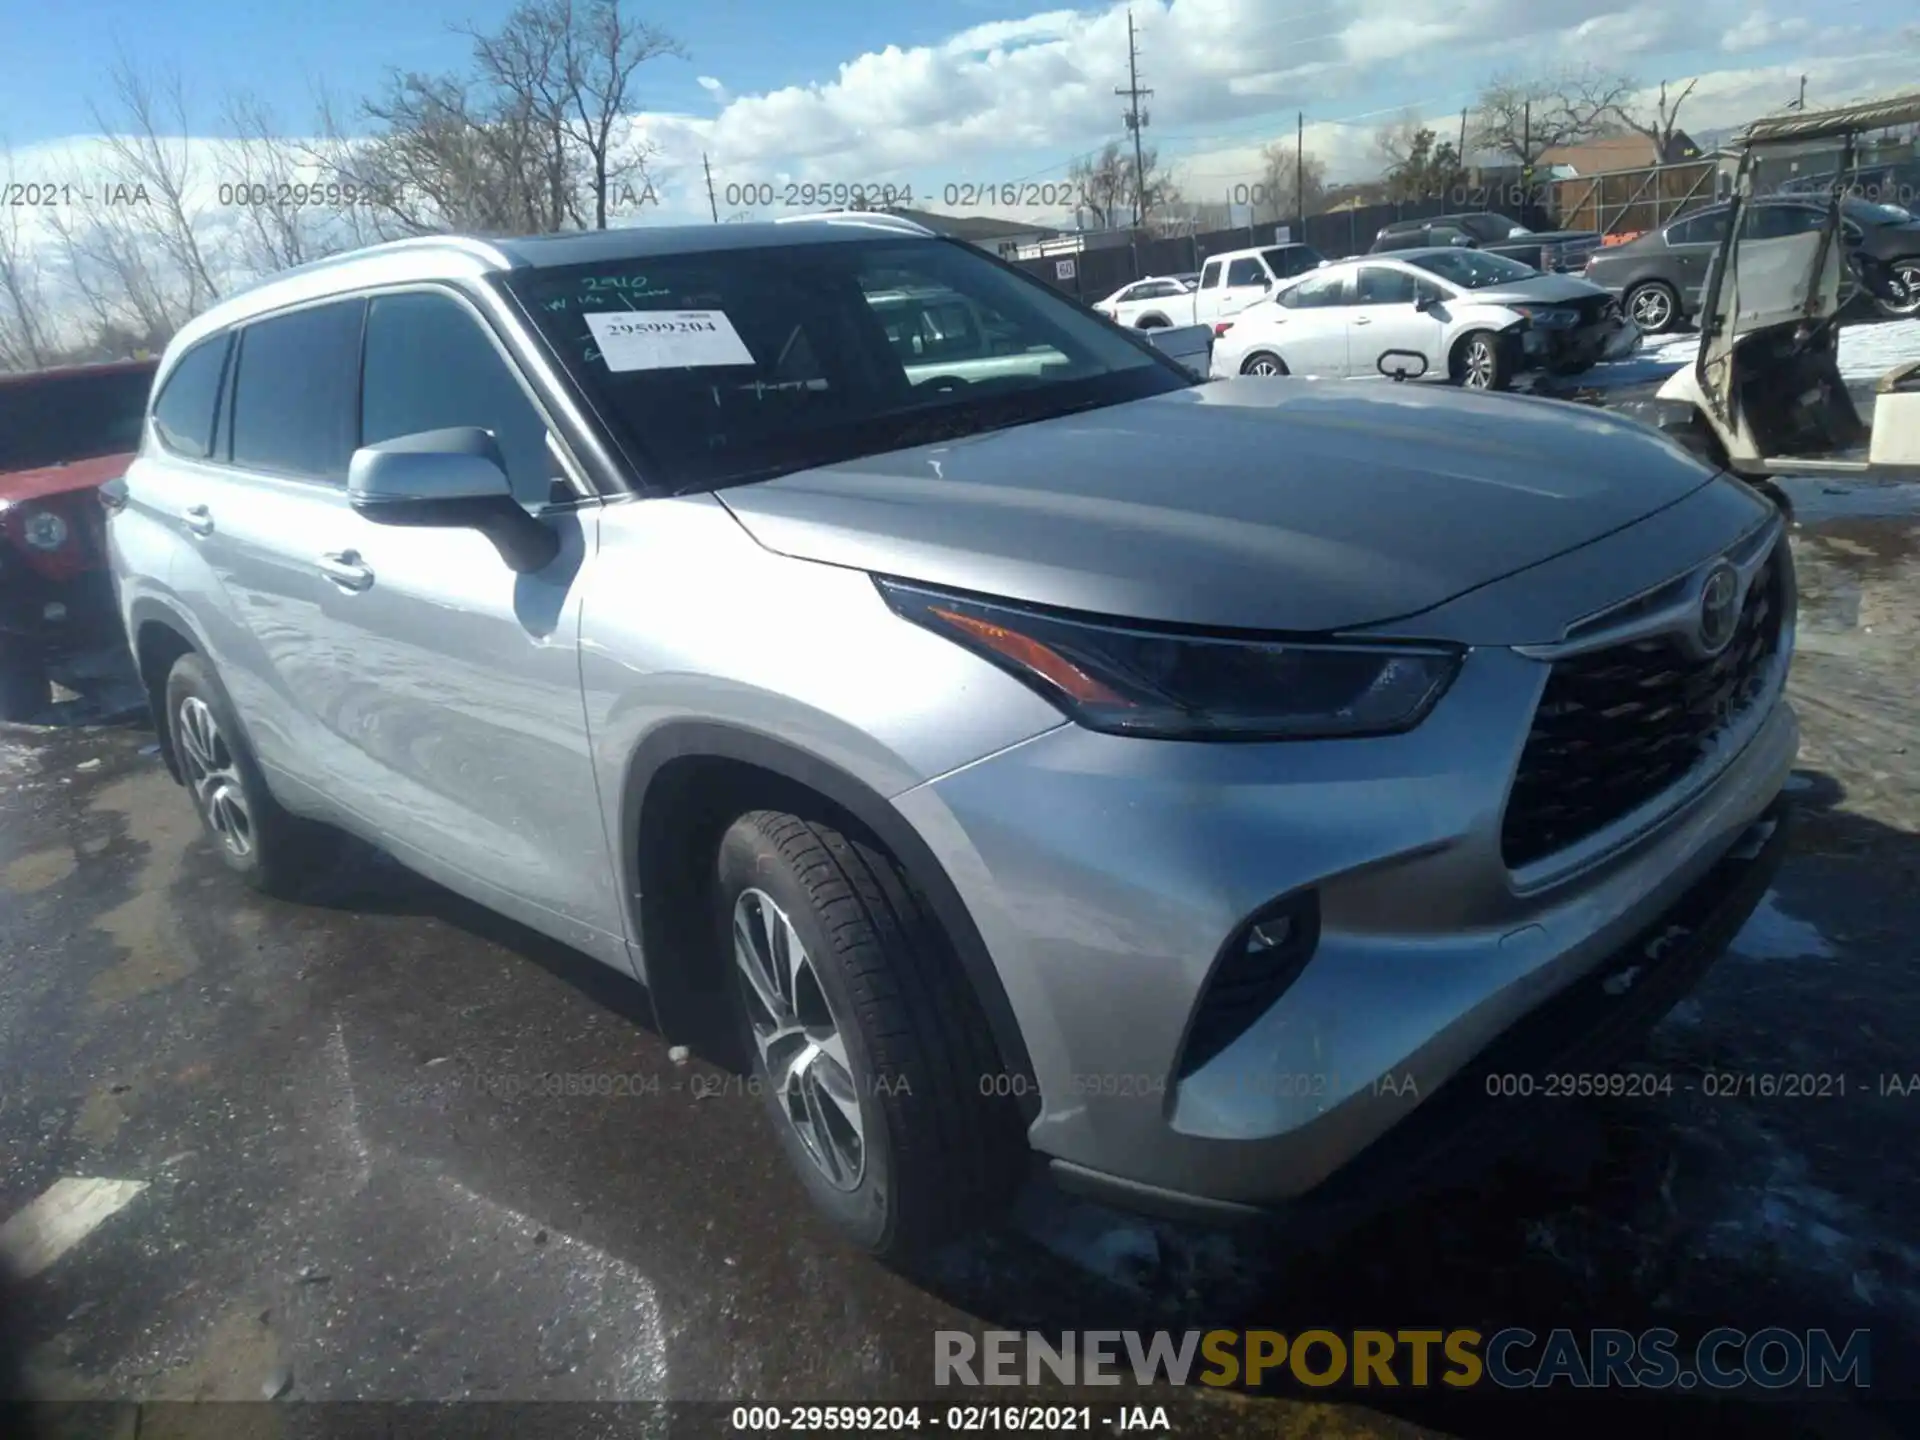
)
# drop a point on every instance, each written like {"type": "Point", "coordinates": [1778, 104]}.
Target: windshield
{"type": "Point", "coordinates": [734, 365]}
{"type": "Point", "coordinates": [1473, 269]}
{"type": "Point", "coordinates": [53, 419]}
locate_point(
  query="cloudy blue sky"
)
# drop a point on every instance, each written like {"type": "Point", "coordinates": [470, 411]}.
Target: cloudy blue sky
{"type": "Point", "coordinates": [861, 91]}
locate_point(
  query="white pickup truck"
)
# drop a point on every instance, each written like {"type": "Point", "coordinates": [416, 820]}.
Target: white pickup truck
{"type": "Point", "coordinates": [1227, 283]}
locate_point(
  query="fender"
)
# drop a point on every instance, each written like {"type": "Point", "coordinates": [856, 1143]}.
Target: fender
{"type": "Point", "coordinates": [151, 610]}
{"type": "Point", "coordinates": [689, 738]}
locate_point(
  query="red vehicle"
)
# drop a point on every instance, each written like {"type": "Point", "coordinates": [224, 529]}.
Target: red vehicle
{"type": "Point", "coordinates": [63, 433]}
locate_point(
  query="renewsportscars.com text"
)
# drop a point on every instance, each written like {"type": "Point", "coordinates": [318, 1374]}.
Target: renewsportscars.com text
{"type": "Point", "coordinates": [1771, 1358]}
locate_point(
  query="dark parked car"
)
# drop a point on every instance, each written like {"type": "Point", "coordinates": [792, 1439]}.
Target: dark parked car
{"type": "Point", "coordinates": [63, 433]}
{"type": "Point", "coordinates": [1659, 277]}
{"type": "Point", "coordinates": [1554, 250]}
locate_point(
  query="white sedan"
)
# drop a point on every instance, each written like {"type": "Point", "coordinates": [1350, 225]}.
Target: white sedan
{"type": "Point", "coordinates": [1456, 315]}
{"type": "Point", "coordinates": [1156, 303]}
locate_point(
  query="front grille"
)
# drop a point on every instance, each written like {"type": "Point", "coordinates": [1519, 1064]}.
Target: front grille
{"type": "Point", "coordinates": [1618, 727]}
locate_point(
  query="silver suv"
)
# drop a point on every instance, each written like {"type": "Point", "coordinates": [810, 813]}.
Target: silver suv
{"type": "Point", "coordinates": [1227, 798]}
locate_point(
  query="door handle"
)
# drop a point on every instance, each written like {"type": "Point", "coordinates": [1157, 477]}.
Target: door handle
{"type": "Point", "coordinates": [1362, 320]}
{"type": "Point", "coordinates": [198, 519]}
{"type": "Point", "coordinates": [346, 569]}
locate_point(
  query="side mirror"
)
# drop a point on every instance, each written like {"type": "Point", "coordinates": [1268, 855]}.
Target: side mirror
{"type": "Point", "coordinates": [1266, 282]}
{"type": "Point", "coordinates": [449, 478]}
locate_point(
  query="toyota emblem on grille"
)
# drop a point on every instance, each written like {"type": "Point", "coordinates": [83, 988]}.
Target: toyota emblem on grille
{"type": "Point", "coordinates": [1719, 608]}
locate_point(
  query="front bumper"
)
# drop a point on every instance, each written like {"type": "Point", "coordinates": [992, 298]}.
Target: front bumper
{"type": "Point", "coordinates": [1105, 874]}
{"type": "Point", "coordinates": [1568, 352]}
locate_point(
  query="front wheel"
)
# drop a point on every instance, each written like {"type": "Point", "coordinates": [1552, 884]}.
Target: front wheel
{"type": "Point", "coordinates": [1263, 362]}
{"type": "Point", "coordinates": [872, 1053]}
{"type": "Point", "coordinates": [1480, 362]}
{"type": "Point", "coordinates": [273, 851]}
{"type": "Point", "coordinates": [1903, 301]}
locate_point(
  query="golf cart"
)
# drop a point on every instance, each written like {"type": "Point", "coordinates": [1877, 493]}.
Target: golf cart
{"type": "Point", "coordinates": [1764, 395]}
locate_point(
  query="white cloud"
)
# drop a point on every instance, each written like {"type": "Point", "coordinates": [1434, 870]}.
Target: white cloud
{"type": "Point", "coordinates": [1757, 29]}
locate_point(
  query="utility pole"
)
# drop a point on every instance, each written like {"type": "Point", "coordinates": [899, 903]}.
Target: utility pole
{"type": "Point", "coordinates": [1136, 119]}
{"type": "Point", "coordinates": [1526, 159]}
{"type": "Point", "coordinates": [712, 203]}
{"type": "Point", "coordinates": [1801, 103]}
{"type": "Point", "coordinates": [1300, 173]}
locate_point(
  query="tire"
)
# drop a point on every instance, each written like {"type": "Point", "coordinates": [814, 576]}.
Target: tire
{"type": "Point", "coordinates": [1907, 273]}
{"type": "Point", "coordinates": [24, 689]}
{"type": "Point", "coordinates": [273, 851]}
{"type": "Point", "coordinates": [1264, 362]}
{"type": "Point", "coordinates": [915, 1151]}
{"type": "Point", "coordinates": [1153, 322]}
{"type": "Point", "coordinates": [1480, 361]}
{"type": "Point", "coordinates": [1661, 302]}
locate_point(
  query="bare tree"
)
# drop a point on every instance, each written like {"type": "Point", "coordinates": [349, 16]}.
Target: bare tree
{"type": "Point", "coordinates": [537, 137]}
{"type": "Point", "coordinates": [286, 204]}
{"type": "Point", "coordinates": [1291, 184]}
{"type": "Point", "coordinates": [152, 148]}
{"type": "Point", "coordinates": [1524, 118]}
{"type": "Point", "coordinates": [1104, 187]}
{"type": "Point", "coordinates": [1662, 125]}
{"type": "Point", "coordinates": [26, 335]}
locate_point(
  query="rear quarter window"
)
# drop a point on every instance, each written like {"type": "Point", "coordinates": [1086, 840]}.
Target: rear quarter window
{"type": "Point", "coordinates": [183, 416]}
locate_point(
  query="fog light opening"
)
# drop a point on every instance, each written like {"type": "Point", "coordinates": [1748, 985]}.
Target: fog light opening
{"type": "Point", "coordinates": [1259, 962]}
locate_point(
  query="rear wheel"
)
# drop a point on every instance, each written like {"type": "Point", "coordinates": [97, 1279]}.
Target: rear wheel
{"type": "Point", "coordinates": [1654, 307]}
{"type": "Point", "coordinates": [1152, 322]}
{"type": "Point", "coordinates": [1263, 362]}
{"type": "Point", "coordinates": [24, 690]}
{"type": "Point", "coordinates": [1480, 362]}
{"type": "Point", "coordinates": [871, 1051]}
{"type": "Point", "coordinates": [273, 851]}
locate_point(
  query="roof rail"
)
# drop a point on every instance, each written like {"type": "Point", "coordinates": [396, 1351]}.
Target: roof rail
{"type": "Point", "coordinates": [878, 219]}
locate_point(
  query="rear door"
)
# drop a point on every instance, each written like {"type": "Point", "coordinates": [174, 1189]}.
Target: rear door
{"type": "Point", "coordinates": [251, 519]}
{"type": "Point", "coordinates": [455, 684]}
{"type": "Point", "coordinates": [1385, 316]}
{"type": "Point", "coordinates": [1692, 243]}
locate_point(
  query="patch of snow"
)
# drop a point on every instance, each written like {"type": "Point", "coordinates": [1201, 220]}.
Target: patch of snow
{"type": "Point", "coordinates": [1868, 351]}
{"type": "Point", "coordinates": [1772, 934]}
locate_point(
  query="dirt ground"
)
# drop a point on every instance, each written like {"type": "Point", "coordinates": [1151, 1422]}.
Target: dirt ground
{"type": "Point", "coordinates": [327, 1180]}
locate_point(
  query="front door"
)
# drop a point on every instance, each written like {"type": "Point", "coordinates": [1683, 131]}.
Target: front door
{"type": "Point", "coordinates": [458, 684]}
{"type": "Point", "coordinates": [1247, 282]}
{"type": "Point", "coordinates": [1385, 316]}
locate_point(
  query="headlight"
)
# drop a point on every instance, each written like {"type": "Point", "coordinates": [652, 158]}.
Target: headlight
{"type": "Point", "coordinates": [44, 530]}
{"type": "Point", "coordinates": [1549, 317]}
{"type": "Point", "coordinates": [1171, 685]}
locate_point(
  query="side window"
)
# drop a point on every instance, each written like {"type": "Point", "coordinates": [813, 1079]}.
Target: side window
{"type": "Point", "coordinates": [1705, 229]}
{"type": "Point", "coordinates": [1378, 285]}
{"type": "Point", "coordinates": [1153, 290]}
{"type": "Point", "coordinates": [294, 401]}
{"type": "Point", "coordinates": [1131, 293]}
{"type": "Point", "coordinates": [1448, 235]}
{"type": "Point", "coordinates": [1771, 222]}
{"type": "Point", "coordinates": [1210, 275]}
{"type": "Point", "coordinates": [1245, 272]}
{"type": "Point", "coordinates": [430, 366]}
{"type": "Point", "coordinates": [183, 415]}
{"type": "Point", "coordinates": [1316, 292]}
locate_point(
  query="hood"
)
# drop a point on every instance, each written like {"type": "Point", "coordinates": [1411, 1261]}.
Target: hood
{"type": "Point", "coordinates": [1299, 506]}
{"type": "Point", "coordinates": [1540, 290]}
{"type": "Point", "coordinates": [75, 475]}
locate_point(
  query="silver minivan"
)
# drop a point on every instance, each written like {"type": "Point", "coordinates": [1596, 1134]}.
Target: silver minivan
{"type": "Point", "coordinates": [1205, 795]}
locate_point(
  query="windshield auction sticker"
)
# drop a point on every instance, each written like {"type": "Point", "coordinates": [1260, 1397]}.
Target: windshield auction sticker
{"type": "Point", "coordinates": [666, 339]}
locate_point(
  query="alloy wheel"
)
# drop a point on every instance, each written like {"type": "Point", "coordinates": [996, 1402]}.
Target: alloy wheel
{"type": "Point", "coordinates": [213, 776]}
{"type": "Point", "coordinates": [1264, 365]}
{"type": "Point", "coordinates": [1652, 308]}
{"type": "Point", "coordinates": [800, 1039]}
{"type": "Point", "coordinates": [1906, 280]}
{"type": "Point", "coordinates": [1477, 374]}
